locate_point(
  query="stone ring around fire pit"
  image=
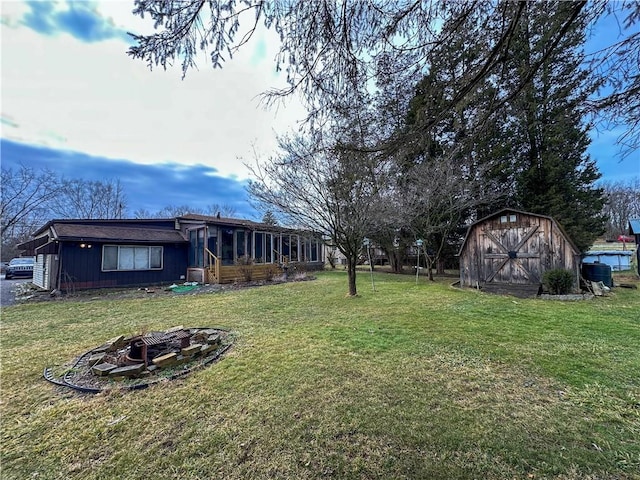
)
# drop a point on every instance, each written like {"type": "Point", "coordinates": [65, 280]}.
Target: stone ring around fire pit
{"type": "Point", "coordinates": [139, 361]}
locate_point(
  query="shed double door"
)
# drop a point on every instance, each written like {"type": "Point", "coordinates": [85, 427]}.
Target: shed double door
{"type": "Point", "coordinates": [511, 255]}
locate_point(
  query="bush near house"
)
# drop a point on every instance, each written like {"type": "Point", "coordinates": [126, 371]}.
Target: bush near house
{"type": "Point", "coordinates": [558, 281]}
{"type": "Point", "coordinates": [245, 267]}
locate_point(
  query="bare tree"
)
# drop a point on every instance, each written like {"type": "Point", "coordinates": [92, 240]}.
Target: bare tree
{"type": "Point", "coordinates": [622, 204]}
{"type": "Point", "coordinates": [26, 196]}
{"type": "Point", "coordinates": [224, 210]}
{"type": "Point", "coordinates": [170, 211]}
{"type": "Point", "coordinates": [90, 199]}
{"type": "Point", "coordinates": [440, 196]}
{"type": "Point", "coordinates": [323, 188]}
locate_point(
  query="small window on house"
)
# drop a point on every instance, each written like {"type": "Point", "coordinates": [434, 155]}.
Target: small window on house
{"type": "Point", "coordinates": [508, 218]}
{"type": "Point", "coordinates": [258, 254]}
{"type": "Point", "coordinates": [268, 248]}
{"type": "Point", "coordinates": [240, 246]}
{"type": "Point", "coordinates": [294, 249]}
{"type": "Point", "coordinates": [129, 257]}
{"type": "Point", "coordinates": [307, 249]}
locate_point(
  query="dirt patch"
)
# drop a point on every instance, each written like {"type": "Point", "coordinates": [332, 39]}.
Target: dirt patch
{"type": "Point", "coordinates": [569, 297]}
{"type": "Point", "coordinates": [30, 293]}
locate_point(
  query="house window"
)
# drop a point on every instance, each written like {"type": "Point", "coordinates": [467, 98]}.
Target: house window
{"type": "Point", "coordinates": [226, 239]}
{"type": "Point", "coordinates": [125, 257]}
{"type": "Point", "coordinates": [294, 248]}
{"type": "Point", "coordinates": [196, 250]}
{"type": "Point", "coordinates": [307, 249]}
{"type": "Point", "coordinates": [239, 243]}
{"type": "Point", "coordinates": [258, 253]}
{"type": "Point", "coordinates": [310, 250]}
{"type": "Point", "coordinates": [285, 246]}
{"type": "Point", "coordinates": [268, 248]}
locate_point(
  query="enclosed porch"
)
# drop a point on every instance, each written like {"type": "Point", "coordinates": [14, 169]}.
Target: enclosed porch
{"type": "Point", "coordinates": [240, 253]}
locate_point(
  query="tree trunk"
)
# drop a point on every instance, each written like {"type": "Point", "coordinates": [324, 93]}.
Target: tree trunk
{"type": "Point", "coordinates": [429, 264]}
{"type": "Point", "coordinates": [351, 272]}
{"type": "Point", "coordinates": [395, 260]}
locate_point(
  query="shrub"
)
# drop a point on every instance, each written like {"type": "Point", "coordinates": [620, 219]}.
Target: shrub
{"type": "Point", "coordinates": [270, 272]}
{"type": "Point", "coordinates": [558, 281]}
{"type": "Point", "coordinates": [245, 267]}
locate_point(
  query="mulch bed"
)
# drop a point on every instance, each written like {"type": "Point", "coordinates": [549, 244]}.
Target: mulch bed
{"type": "Point", "coordinates": [30, 293]}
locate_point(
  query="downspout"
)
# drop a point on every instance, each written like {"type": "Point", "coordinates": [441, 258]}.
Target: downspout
{"type": "Point", "coordinates": [59, 266]}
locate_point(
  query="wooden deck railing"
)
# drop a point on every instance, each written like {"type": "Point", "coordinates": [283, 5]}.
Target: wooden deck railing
{"type": "Point", "coordinates": [213, 272]}
{"type": "Point", "coordinates": [237, 273]}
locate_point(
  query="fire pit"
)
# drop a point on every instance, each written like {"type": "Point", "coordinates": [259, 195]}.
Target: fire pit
{"type": "Point", "coordinates": [139, 351]}
{"type": "Point", "coordinates": [138, 361]}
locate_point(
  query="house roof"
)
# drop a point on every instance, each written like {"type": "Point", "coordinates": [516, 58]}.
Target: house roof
{"type": "Point", "coordinates": [133, 230]}
{"type": "Point", "coordinates": [512, 210]}
{"type": "Point", "coordinates": [128, 222]}
{"type": "Point", "coordinates": [634, 226]}
{"type": "Point", "coordinates": [234, 222]}
{"type": "Point", "coordinates": [239, 222]}
{"type": "Point", "coordinates": [105, 232]}
{"type": "Point", "coordinates": [66, 231]}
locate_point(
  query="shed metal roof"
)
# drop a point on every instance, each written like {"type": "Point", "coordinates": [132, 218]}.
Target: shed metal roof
{"type": "Point", "coordinates": [634, 226]}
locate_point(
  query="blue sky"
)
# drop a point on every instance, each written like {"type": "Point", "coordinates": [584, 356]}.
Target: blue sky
{"type": "Point", "coordinates": [72, 100]}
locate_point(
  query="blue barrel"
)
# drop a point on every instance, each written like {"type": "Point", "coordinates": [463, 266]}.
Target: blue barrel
{"type": "Point", "coordinates": [597, 272]}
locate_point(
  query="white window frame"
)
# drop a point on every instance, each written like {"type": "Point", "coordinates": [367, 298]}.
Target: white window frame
{"type": "Point", "coordinates": [118, 260]}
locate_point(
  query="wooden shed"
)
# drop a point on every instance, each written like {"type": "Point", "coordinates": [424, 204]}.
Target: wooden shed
{"type": "Point", "coordinates": [509, 251]}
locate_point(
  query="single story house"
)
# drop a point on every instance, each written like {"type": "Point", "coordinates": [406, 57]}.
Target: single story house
{"type": "Point", "coordinates": [83, 254]}
{"type": "Point", "coordinates": [510, 250]}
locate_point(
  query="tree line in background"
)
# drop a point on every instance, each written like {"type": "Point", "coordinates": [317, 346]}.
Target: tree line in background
{"type": "Point", "coordinates": [30, 198]}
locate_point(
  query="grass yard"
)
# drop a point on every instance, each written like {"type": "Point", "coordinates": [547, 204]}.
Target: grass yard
{"type": "Point", "coordinates": [408, 382]}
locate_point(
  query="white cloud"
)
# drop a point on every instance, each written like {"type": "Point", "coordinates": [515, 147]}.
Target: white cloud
{"type": "Point", "coordinates": [93, 98]}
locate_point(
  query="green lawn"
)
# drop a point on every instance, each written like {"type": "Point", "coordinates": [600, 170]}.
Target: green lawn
{"type": "Point", "coordinates": [410, 381]}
